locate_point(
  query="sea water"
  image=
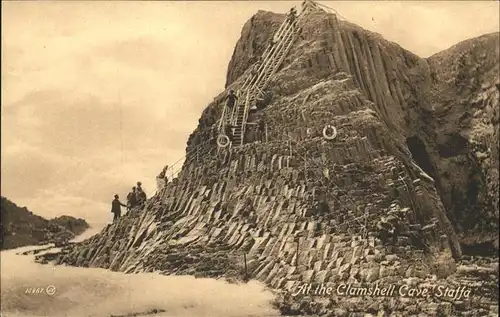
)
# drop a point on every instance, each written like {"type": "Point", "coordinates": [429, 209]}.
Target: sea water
{"type": "Point", "coordinates": [36, 290]}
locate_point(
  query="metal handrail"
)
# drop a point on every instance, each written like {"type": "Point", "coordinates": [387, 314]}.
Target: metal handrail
{"type": "Point", "coordinates": [282, 35]}
{"type": "Point", "coordinates": [271, 50]}
{"type": "Point", "coordinates": [285, 46]}
{"type": "Point", "coordinates": [287, 31]}
{"type": "Point", "coordinates": [275, 51]}
{"type": "Point", "coordinates": [245, 116]}
{"type": "Point", "coordinates": [221, 124]}
{"type": "Point", "coordinates": [234, 115]}
{"type": "Point", "coordinates": [267, 62]}
{"type": "Point", "coordinates": [281, 27]}
{"type": "Point", "coordinates": [284, 32]}
{"type": "Point", "coordinates": [332, 10]}
{"type": "Point", "coordinates": [283, 56]}
{"type": "Point", "coordinates": [266, 52]}
{"type": "Point", "coordinates": [284, 40]}
{"type": "Point", "coordinates": [245, 83]}
{"type": "Point", "coordinates": [277, 34]}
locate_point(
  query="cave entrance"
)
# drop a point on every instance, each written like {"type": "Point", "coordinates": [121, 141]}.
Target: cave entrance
{"type": "Point", "coordinates": [420, 155]}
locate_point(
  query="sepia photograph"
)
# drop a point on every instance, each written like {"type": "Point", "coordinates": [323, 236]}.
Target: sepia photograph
{"type": "Point", "coordinates": [250, 158]}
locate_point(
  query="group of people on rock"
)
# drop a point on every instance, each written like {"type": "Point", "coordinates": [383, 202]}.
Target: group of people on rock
{"type": "Point", "coordinates": [137, 197]}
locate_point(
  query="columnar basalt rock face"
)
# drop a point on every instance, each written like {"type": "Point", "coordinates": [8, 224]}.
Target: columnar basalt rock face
{"type": "Point", "coordinates": [300, 208]}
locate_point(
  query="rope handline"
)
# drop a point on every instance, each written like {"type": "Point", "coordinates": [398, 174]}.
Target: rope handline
{"type": "Point", "coordinates": [314, 164]}
{"type": "Point", "coordinates": [209, 153]}
{"type": "Point", "coordinates": [348, 197]}
{"type": "Point", "coordinates": [330, 8]}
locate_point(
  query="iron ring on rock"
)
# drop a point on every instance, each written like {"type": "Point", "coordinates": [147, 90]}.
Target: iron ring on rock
{"type": "Point", "coordinates": [329, 135]}
{"type": "Point", "coordinates": [222, 140]}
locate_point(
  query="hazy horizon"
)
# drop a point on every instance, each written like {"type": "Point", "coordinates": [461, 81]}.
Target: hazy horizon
{"type": "Point", "coordinates": [99, 95]}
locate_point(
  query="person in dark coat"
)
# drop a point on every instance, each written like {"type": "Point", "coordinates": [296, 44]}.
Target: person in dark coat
{"type": "Point", "coordinates": [139, 186]}
{"type": "Point", "coordinates": [292, 16]}
{"type": "Point", "coordinates": [228, 131]}
{"type": "Point", "coordinates": [131, 199]}
{"type": "Point", "coordinates": [141, 197]}
{"type": "Point", "coordinates": [231, 100]}
{"type": "Point", "coordinates": [116, 208]}
{"type": "Point", "coordinates": [386, 231]}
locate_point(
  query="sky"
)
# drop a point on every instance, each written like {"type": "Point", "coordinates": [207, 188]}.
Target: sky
{"type": "Point", "coordinates": [97, 95]}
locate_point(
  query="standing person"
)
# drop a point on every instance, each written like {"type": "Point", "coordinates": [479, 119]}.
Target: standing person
{"type": "Point", "coordinates": [386, 231]}
{"type": "Point", "coordinates": [140, 194]}
{"type": "Point", "coordinates": [228, 131]}
{"type": "Point", "coordinates": [292, 16]}
{"type": "Point", "coordinates": [116, 208]}
{"type": "Point", "coordinates": [131, 199]}
{"type": "Point", "coordinates": [162, 179]}
{"type": "Point", "coordinates": [165, 176]}
{"type": "Point", "coordinates": [141, 197]}
{"type": "Point", "coordinates": [231, 100]}
{"type": "Point", "coordinates": [139, 187]}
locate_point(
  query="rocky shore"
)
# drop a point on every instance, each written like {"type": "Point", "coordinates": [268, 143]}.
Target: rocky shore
{"type": "Point", "coordinates": [20, 227]}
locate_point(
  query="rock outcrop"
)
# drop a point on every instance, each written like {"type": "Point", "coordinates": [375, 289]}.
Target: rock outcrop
{"type": "Point", "coordinates": [291, 207]}
{"type": "Point", "coordinates": [20, 227]}
{"type": "Point", "coordinates": [460, 136]}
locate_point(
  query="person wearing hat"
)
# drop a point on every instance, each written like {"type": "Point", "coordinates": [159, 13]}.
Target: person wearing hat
{"type": "Point", "coordinates": [116, 208]}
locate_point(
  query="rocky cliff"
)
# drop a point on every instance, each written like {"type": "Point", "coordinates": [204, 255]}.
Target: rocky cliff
{"type": "Point", "coordinates": [20, 227]}
{"type": "Point", "coordinates": [416, 137]}
{"type": "Point", "coordinates": [459, 135]}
